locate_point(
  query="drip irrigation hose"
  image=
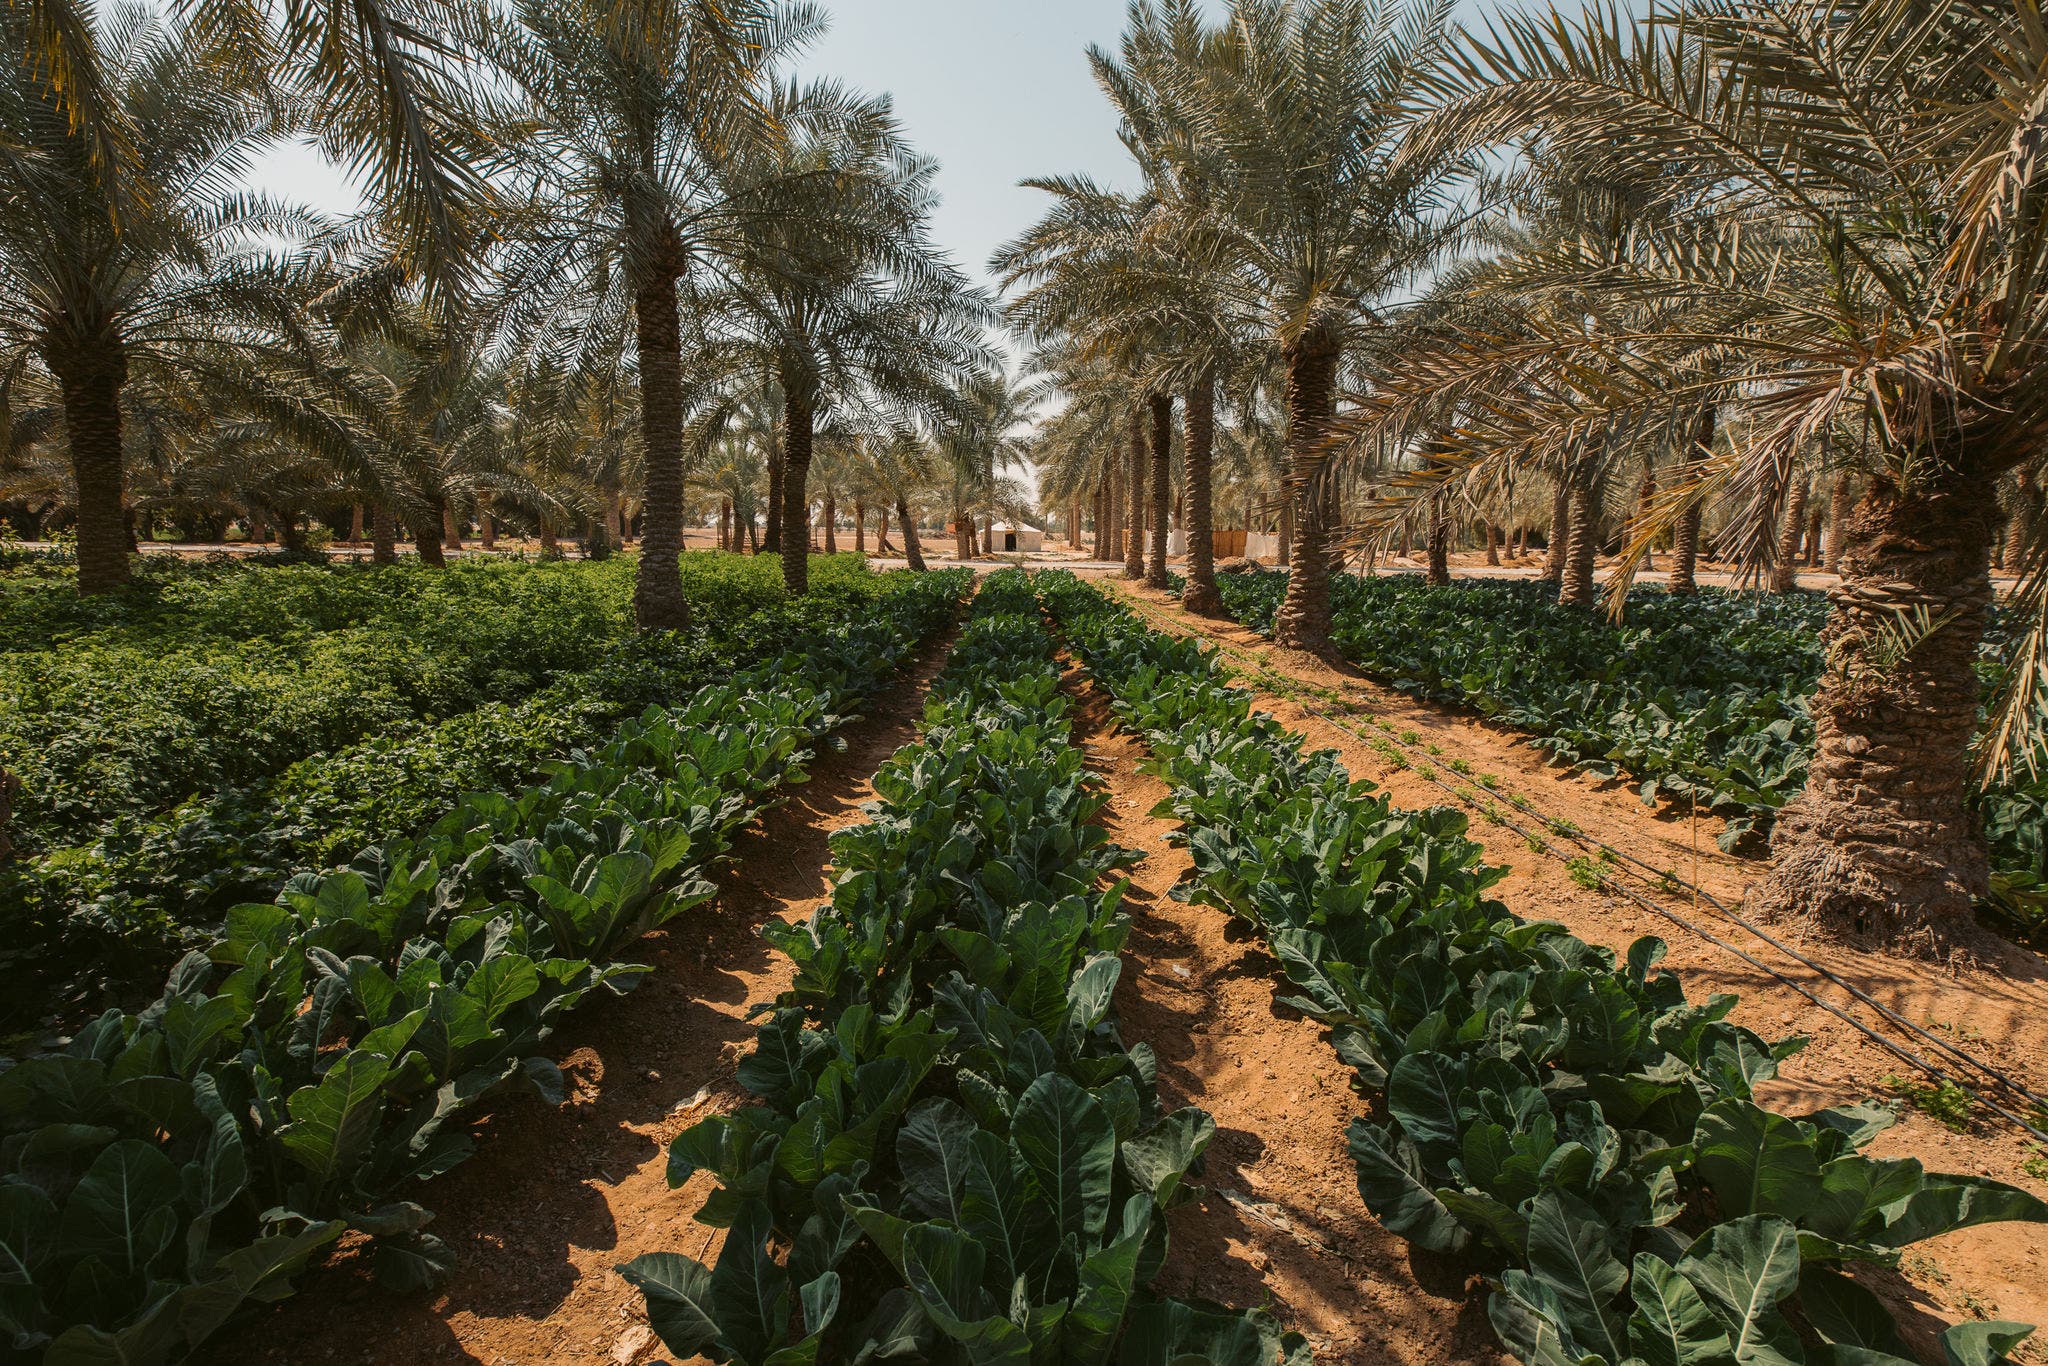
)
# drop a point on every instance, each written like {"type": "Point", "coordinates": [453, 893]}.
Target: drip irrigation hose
{"type": "Point", "coordinates": [1521, 803]}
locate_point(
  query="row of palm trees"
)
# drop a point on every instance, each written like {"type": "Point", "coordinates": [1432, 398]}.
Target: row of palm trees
{"type": "Point", "coordinates": [610, 249]}
{"type": "Point", "coordinates": [1701, 262]}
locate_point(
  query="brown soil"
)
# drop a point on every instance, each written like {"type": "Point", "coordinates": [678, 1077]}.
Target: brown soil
{"type": "Point", "coordinates": [555, 1197]}
{"type": "Point", "coordinates": [1280, 1223]}
{"type": "Point", "coordinates": [1999, 1013]}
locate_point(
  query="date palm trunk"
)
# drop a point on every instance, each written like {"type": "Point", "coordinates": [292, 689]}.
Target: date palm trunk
{"type": "Point", "coordinates": [860, 527]}
{"type": "Point", "coordinates": [486, 527]}
{"type": "Point", "coordinates": [912, 552]}
{"type": "Point", "coordinates": [1439, 543]}
{"type": "Point", "coordinates": [799, 428]}
{"type": "Point", "coordinates": [1882, 845]}
{"type": "Point", "coordinates": [1492, 543]}
{"type": "Point", "coordinates": [988, 534]}
{"type": "Point", "coordinates": [2020, 527]}
{"type": "Point", "coordinates": [355, 524]}
{"type": "Point", "coordinates": [451, 534]}
{"type": "Point", "coordinates": [1785, 572]}
{"type": "Point", "coordinates": [1200, 596]}
{"type": "Point", "coordinates": [383, 535]}
{"type": "Point", "coordinates": [771, 539]}
{"type": "Point", "coordinates": [1841, 502]}
{"type": "Point", "coordinates": [1134, 498]}
{"type": "Point", "coordinates": [1303, 621]}
{"type": "Point", "coordinates": [831, 524]}
{"type": "Point", "coordinates": [1560, 529]}
{"type": "Point", "coordinates": [658, 602]}
{"type": "Point", "coordinates": [91, 379]}
{"type": "Point", "coordinates": [1162, 488]}
{"type": "Point", "coordinates": [1646, 499]}
{"type": "Point", "coordinates": [426, 538]}
{"type": "Point", "coordinates": [1582, 537]}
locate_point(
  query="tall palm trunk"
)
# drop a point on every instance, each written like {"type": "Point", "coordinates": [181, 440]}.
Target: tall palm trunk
{"type": "Point", "coordinates": [1882, 843]}
{"type": "Point", "coordinates": [658, 602]}
{"type": "Point", "coordinates": [1785, 572]}
{"type": "Point", "coordinates": [550, 549]}
{"type": "Point", "coordinates": [1492, 543]}
{"type": "Point", "coordinates": [451, 533]}
{"type": "Point", "coordinates": [882, 531]}
{"type": "Point", "coordinates": [1200, 596]}
{"type": "Point", "coordinates": [860, 527]}
{"type": "Point", "coordinates": [487, 528]}
{"type": "Point", "coordinates": [988, 534]}
{"type": "Point", "coordinates": [355, 524]}
{"type": "Point", "coordinates": [1303, 621]}
{"type": "Point", "coordinates": [426, 538]}
{"type": "Point", "coordinates": [1685, 539]}
{"type": "Point", "coordinates": [799, 422]}
{"type": "Point", "coordinates": [1560, 528]}
{"type": "Point", "coordinates": [831, 524]}
{"type": "Point", "coordinates": [1134, 497]}
{"type": "Point", "coordinates": [1162, 488]}
{"type": "Point", "coordinates": [91, 380]}
{"type": "Point", "coordinates": [1285, 539]}
{"type": "Point", "coordinates": [1841, 502]}
{"type": "Point", "coordinates": [771, 541]}
{"type": "Point", "coordinates": [383, 535]}
{"type": "Point", "coordinates": [1439, 543]}
{"type": "Point", "coordinates": [1582, 537]}
{"type": "Point", "coordinates": [912, 552]}
{"type": "Point", "coordinates": [1646, 498]}
{"type": "Point", "coordinates": [1111, 549]}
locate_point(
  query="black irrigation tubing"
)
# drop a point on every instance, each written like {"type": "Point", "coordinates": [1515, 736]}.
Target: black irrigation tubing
{"type": "Point", "coordinates": [1892, 1046]}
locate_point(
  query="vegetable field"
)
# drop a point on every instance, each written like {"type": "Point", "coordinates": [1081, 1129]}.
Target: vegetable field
{"type": "Point", "coordinates": [932, 1135]}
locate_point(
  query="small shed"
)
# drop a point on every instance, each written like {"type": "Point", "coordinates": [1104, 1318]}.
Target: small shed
{"type": "Point", "coordinates": [1011, 537]}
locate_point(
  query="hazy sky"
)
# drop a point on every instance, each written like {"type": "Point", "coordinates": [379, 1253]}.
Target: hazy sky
{"type": "Point", "coordinates": [997, 90]}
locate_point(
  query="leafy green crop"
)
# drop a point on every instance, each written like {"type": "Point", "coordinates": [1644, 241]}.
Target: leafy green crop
{"type": "Point", "coordinates": [122, 905]}
{"type": "Point", "coordinates": [954, 1158]}
{"type": "Point", "coordinates": [1573, 1119]}
{"type": "Point", "coordinates": [166, 1167]}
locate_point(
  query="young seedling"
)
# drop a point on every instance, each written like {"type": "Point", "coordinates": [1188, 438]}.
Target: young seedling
{"type": "Point", "coordinates": [1946, 1103]}
{"type": "Point", "coordinates": [1586, 873]}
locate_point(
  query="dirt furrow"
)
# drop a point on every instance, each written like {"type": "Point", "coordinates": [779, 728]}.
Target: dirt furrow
{"type": "Point", "coordinates": [555, 1197]}
{"type": "Point", "coordinates": [2001, 1014]}
{"type": "Point", "coordinates": [1280, 1222]}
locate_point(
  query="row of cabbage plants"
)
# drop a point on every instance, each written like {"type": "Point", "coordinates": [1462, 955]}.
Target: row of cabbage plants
{"type": "Point", "coordinates": [952, 1157]}
{"type": "Point", "coordinates": [165, 1168]}
{"type": "Point", "coordinates": [1570, 1120]}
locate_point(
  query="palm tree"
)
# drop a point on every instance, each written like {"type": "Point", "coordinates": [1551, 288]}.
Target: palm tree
{"type": "Point", "coordinates": [1853, 236]}
{"type": "Point", "coordinates": [103, 274]}
{"type": "Point", "coordinates": [628, 118]}
{"type": "Point", "coordinates": [1293, 120]}
{"type": "Point", "coordinates": [837, 283]}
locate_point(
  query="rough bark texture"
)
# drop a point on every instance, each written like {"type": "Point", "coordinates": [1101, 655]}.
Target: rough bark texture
{"type": "Point", "coordinates": [1813, 526]}
{"type": "Point", "coordinates": [831, 524]}
{"type": "Point", "coordinates": [1162, 488]}
{"type": "Point", "coordinates": [426, 538]}
{"type": "Point", "coordinates": [988, 534]}
{"type": "Point", "coordinates": [383, 535]}
{"type": "Point", "coordinates": [881, 531]}
{"type": "Point", "coordinates": [771, 542]}
{"type": "Point", "coordinates": [860, 527]}
{"type": "Point", "coordinates": [1200, 596]}
{"type": "Point", "coordinates": [1134, 499]}
{"type": "Point", "coordinates": [1646, 498]}
{"type": "Point", "coordinates": [1560, 529]}
{"type": "Point", "coordinates": [1685, 551]}
{"type": "Point", "coordinates": [550, 548]}
{"type": "Point", "coordinates": [1882, 846]}
{"type": "Point", "coordinates": [1303, 621]}
{"type": "Point", "coordinates": [1285, 540]}
{"type": "Point", "coordinates": [1493, 543]}
{"type": "Point", "coordinates": [451, 534]}
{"type": "Point", "coordinates": [799, 427]}
{"type": "Point", "coordinates": [91, 382]}
{"type": "Point", "coordinates": [1785, 571]}
{"type": "Point", "coordinates": [658, 602]}
{"type": "Point", "coordinates": [486, 528]}
{"type": "Point", "coordinates": [355, 524]}
{"type": "Point", "coordinates": [911, 550]}
{"type": "Point", "coordinates": [2025, 505]}
{"type": "Point", "coordinates": [1439, 543]}
{"type": "Point", "coordinates": [1582, 538]}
